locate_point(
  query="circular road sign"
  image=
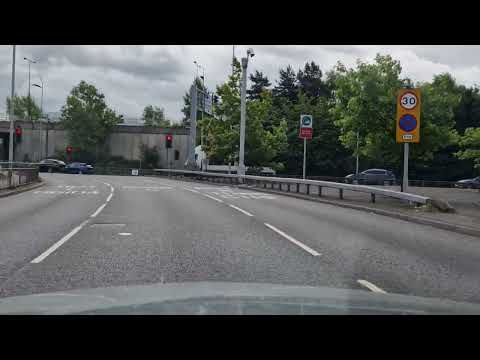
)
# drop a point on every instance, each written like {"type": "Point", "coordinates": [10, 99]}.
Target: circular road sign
{"type": "Point", "coordinates": [306, 120]}
{"type": "Point", "coordinates": [408, 100]}
{"type": "Point", "coordinates": [408, 123]}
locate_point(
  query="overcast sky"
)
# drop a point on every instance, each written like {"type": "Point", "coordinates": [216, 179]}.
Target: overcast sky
{"type": "Point", "coordinates": [132, 77]}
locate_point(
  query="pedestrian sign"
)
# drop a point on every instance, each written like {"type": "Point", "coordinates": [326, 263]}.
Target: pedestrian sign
{"type": "Point", "coordinates": [408, 116]}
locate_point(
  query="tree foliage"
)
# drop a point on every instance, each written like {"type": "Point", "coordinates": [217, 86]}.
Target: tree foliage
{"type": "Point", "coordinates": [260, 83]}
{"type": "Point", "coordinates": [470, 144]}
{"type": "Point", "coordinates": [154, 116]}
{"type": "Point", "coordinates": [87, 119]}
{"type": "Point", "coordinates": [21, 105]}
{"type": "Point", "coordinates": [261, 145]}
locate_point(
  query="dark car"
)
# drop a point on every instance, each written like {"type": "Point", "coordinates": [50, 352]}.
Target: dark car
{"type": "Point", "coordinates": [372, 177]}
{"type": "Point", "coordinates": [51, 165]}
{"type": "Point", "coordinates": [468, 183]}
{"type": "Point", "coordinates": [79, 168]}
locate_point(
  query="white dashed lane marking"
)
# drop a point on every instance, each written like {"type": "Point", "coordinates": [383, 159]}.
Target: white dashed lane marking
{"type": "Point", "coordinates": [371, 287]}
{"type": "Point", "coordinates": [293, 240]}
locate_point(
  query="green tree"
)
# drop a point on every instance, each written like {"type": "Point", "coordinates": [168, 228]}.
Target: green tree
{"type": "Point", "coordinates": [261, 145]}
{"type": "Point", "coordinates": [365, 101]}
{"type": "Point", "coordinates": [187, 103]}
{"type": "Point", "coordinates": [154, 116]}
{"type": "Point", "coordinates": [88, 120]}
{"type": "Point", "coordinates": [470, 144]}
{"type": "Point", "coordinates": [259, 84]}
{"type": "Point", "coordinates": [286, 85]}
{"type": "Point", "coordinates": [310, 81]}
{"type": "Point", "coordinates": [21, 105]}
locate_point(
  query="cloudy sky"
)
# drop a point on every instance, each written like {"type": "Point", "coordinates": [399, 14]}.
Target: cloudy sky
{"type": "Point", "coordinates": [132, 77]}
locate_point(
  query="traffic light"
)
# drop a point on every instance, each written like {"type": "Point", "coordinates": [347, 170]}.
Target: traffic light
{"type": "Point", "coordinates": [69, 150]}
{"type": "Point", "coordinates": [18, 134]}
{"type": "Point", "coordinates": [168, 141]}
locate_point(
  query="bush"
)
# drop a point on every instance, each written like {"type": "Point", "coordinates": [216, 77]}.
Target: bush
{"type": "Point", "coordinates": [149, 156]}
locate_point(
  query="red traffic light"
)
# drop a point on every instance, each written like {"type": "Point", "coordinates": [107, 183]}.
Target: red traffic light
{"type": "Point", "coordinates": [69, 149]}
{"type": "Point", "coordinates": [169, 137]}
{"type": "Point", "coordinates": [18, 131]}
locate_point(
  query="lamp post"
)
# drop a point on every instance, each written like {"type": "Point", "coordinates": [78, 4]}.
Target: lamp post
{"type": "Point", "coordinates": [41, 111]}
{"type": "Point", "coordinates": [243, 110]}
{"type": "Point", "coordinates": [29, 99]}
{"type": "Point", "coordinates": [10, 144]}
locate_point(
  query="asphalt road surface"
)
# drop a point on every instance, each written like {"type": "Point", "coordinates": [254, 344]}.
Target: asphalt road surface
{"type": "Point", "coordinates": [87, 231]}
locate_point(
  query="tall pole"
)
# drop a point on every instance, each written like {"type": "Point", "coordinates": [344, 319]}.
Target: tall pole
{"type": "Point", "coordinates": [358, 140]}
{"type": "Point", "coordinates": [29, 101]}
{"type": "Point", "coordinates": [405, 167]}
{"type": "Point", "coordinates": [304, 157]}
{"type": "Point", "coordinates": [241, 163]}
{"type": "Point", "coordinates": [193, 125]}
{"type": "Point", "coordinates": [10, 144]}
{"type": "Point", "coordinates": [233, 58]}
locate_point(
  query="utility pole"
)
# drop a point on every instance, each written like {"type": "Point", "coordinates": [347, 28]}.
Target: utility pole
{"type": "Point", "coordinates": [29, 98]}
{"type": "Point", "coordinates": [358, 141]}
{"type": "Point", "coordinates": [243, 104]}
{"type": "Point", "coordinates": [11, 113]}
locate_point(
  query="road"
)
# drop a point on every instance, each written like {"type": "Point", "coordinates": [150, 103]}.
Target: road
{"type": "Point", "coordinates": [86, 231]}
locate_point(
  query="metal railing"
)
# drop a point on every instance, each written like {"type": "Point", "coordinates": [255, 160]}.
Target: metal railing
{"type": "Point", "coordinates": [17, 173]}
{"type": "Point", "coordinates": [262, 181]}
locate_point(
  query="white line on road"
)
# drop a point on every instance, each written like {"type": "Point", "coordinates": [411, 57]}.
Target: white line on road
{"type": "Point", "coordinates": [124, 234]}
{"type": "Point", "coordinates": [59, 243]}
{"type": "Point", "coordinates": [296, 242]}
{"type": "Point", "coordinates": [371, 286]}
{"type": "Point", "coordinates": [213, 198]}
{"type": "Point", "coordinates": [109, 197]}
{"type": "Point", "coordinates": [98, 211]}
{"type": "Point", "coordinates": [194, 191]}
{"type": "Point", "coordinates": [241, 210]}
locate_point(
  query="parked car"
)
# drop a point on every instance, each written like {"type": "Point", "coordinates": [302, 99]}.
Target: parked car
{"type": "Point", "coordinates": [372, 177]}
{"type": "Point", "coordinates": [468, 183]}
{"type": "Point", "coordinates": [51, 165]}
{"type": "Point", "coordinates": [79, 168]}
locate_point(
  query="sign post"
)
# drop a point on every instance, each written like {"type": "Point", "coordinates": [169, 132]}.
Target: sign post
{"type": "Point", "coordinates": [408, 125]}
{"type": "Point", "coordinates": [306, 132]}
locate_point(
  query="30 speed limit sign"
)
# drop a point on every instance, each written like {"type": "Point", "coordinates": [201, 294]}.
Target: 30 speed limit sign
{"type": "Point", "coordinates": [408, 116]}
{"type": "Point", "coordinates": [408, 100]}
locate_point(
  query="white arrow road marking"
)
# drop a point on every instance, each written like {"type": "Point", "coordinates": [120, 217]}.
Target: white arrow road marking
{"type": "Point", "coordinates": [296, 242]}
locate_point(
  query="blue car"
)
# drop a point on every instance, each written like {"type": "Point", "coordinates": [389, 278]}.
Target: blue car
{"type": "Point", "coordinates": [78, 168]}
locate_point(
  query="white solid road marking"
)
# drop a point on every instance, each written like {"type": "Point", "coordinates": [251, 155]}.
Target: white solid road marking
{"type": "Point", "coordinates": [109, 197]}
{"type": "Point", "coordinates": [59, 243]}
{"type": "Point", "coordinates": [371, 286]}
{"type": "Point", "coordinates": [98, 211]}
{"type": "Point", "coordinates": [241, 210]}
{"type": "Point", "coordinates": [213, 198]}
{"type": "Point", "coordinates": [124, 234]}
{"type": "Point", "coordinates": [296, 242]}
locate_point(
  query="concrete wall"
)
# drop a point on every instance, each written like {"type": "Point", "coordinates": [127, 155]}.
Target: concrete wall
{"type": "Point", "coordinates": [124, 141]}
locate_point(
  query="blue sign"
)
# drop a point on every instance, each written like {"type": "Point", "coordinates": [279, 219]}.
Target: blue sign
{"type": "Point", "coordinates": [408, 123]}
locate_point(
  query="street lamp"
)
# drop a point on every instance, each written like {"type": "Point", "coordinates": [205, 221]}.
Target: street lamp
{"type": "Point", "coordinates": [41, 111]}
{"type": "Point", "coordinates": [10, 144]}
{"type": "Point", "coordinates": [29, 99]}
{"type": "Point", "coordinates": [243, 104]}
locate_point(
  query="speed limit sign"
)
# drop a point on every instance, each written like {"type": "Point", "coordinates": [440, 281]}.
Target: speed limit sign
{"type": "Point", "coordinates": [408, 100]}
{"type": "Point", "coordinates": [408, 116]}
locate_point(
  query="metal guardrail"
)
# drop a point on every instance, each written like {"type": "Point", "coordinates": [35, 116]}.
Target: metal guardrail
{"type": "Point", "coordinates": [16, 174]}
{"type": "Point", "coordinates": [263, 180]}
